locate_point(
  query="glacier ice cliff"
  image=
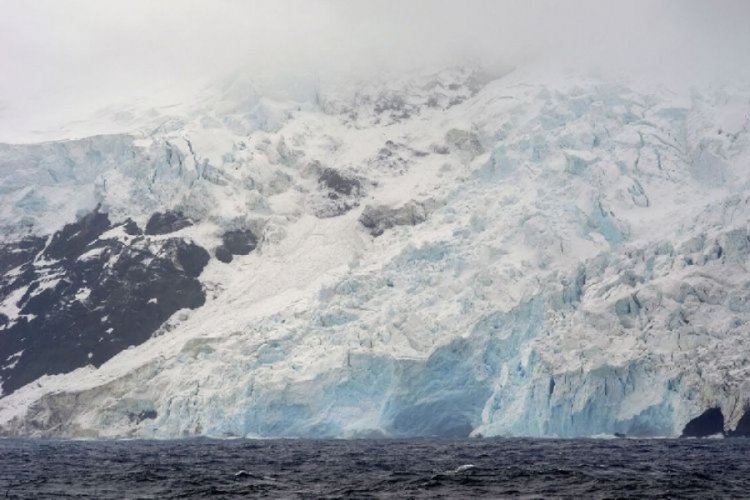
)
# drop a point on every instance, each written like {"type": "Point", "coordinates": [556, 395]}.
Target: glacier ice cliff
{"type": "Point", "coordinates": [452, 254]}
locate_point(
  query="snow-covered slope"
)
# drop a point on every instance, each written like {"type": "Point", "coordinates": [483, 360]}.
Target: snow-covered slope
{"type": "Point", "coordinates": [448, 254]}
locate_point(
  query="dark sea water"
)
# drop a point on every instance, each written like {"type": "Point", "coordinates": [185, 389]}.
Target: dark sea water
{"type": "Point", "coordinates": [494, 468]}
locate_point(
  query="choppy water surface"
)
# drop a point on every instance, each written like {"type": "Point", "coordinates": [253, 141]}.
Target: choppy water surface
{"type": "Point", "coordinates": [402, 469]}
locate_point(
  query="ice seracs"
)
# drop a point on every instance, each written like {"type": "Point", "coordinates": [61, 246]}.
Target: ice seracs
{"type": "Point", "coordinates": [453, 254]}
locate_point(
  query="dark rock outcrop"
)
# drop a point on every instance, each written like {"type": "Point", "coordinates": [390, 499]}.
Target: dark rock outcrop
{"type": "Point", "coordinates": [339, 183]}
{"type": "Point", "coordinates": [379, 218]}
{"type": "Point", "coordinates": [709, 423]}
{"type": "Point", "coordinates": [223, 254]}
{"type": "Point", "coordinates": [15, 254]}
{"type": "Point", "coordinates": [131, 228]}
{"type": "Point", "coordinates": [240, 241]}
{"type": "Point", "coordinates": [743, 426]}
{"type": "Point", "coordinates": [236, 242]}
{"type": "Point", "coordinates": [341, 193]}
{"type": "Point", "coordinates": [167, 222]}
{"type": "Point", "coordinates": [71, 240]}
{"type": "Point", "coordinates": [90, 296]}
{"type": "Point", "coordinates": [141, 416]}
{"type": "Point", "coordinates": [186, 257]}
{"type": "Point", "coordinates": [392, 157]}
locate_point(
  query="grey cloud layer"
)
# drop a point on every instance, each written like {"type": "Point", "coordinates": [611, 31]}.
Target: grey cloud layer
{"type": "Point", "coordinates": [62, 52]}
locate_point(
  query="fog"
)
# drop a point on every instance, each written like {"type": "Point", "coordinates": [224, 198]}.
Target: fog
{"type": "Point", "coordinates": [60, 57]}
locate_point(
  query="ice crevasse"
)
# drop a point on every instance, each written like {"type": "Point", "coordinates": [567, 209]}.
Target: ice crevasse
{"type": "Point", "coordinates": [456, 254]}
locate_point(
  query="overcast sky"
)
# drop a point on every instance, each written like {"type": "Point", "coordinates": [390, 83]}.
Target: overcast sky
{"type": "Point", "coordinates": [61, 56]}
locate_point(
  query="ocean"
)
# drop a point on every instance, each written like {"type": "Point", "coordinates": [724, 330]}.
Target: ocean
{"type": "Point", "coordinates": [414, 468]}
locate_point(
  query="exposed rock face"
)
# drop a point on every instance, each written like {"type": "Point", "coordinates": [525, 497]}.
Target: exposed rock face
{"type": "Point", "coordinates": [379, 218]}
{"type": "Point", "coordinates": [223, 255]}
{"type": "Point", "coordinates": [392, 157]}
{"type": "Point", "coordinates": [14, 254]}
{"type": "Point", "coordinates": [167, 222]}
{"type": "Point", "coordinates": [743, 426]}
{"type": "Point", "coordinates": [89, 295]}
{"type": "Point", "coordinates": [187, 257]}
{"type": "Point", "coordinates": [236, 242]}
{"type": "Point", "coordinates": [339, 183]}
{"type": "Point", "coordinates": [131, 228]}
{"type": "Point", "coordinates": [72, 240]}
{"type": "Point", "coordinates": [709, 423]}
{"type": "Point", "coordinates": [143, 415]}
{"type": "Point", "coordinates": [240, 241]}
{"type": "Point", "coordinates": [341, 193]}
{"type": "Point", "coordinates": [377, 106]}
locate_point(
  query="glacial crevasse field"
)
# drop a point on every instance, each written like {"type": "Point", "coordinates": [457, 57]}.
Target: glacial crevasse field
{"type": "Point", "coordinates": [459, 253]}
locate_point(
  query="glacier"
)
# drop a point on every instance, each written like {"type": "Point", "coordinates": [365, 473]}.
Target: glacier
{"type": "Point", "coordinates": [458, 253]}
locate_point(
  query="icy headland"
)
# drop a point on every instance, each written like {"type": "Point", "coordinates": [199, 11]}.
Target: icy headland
{"type": "Point", "coordinates": [453, 254]}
